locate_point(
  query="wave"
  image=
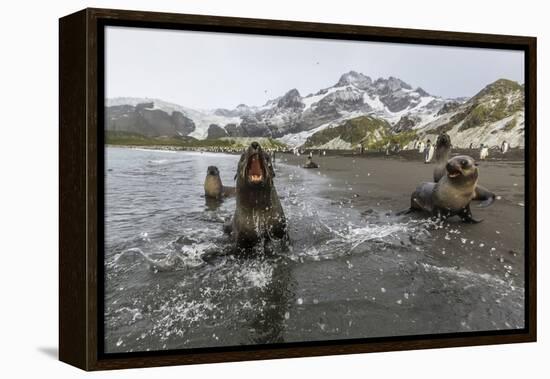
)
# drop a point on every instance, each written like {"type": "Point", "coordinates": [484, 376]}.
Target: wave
{"type": "Point", "coordinates": [173, 260]}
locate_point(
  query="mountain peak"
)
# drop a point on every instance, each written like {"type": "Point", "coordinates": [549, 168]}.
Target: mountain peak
{"type": "Point", "coordinates": [291, 99]}
{"type": "Point", "coordinates": [354, 78]}
{"type": "Point", "coordinates": [500, 87]}
{"type": "Point", "coordinates": [292, 93]}
{"type": "Point", "coordinates": [391, 84]}
{"type": "Point", "coordinates": [421, 91]}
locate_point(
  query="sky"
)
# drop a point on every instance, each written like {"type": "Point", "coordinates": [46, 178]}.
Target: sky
{"type": "Point", "coordinates": [206, 70]}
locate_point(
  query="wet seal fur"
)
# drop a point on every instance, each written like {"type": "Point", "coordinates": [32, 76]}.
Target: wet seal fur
{"type": "Point", "coordinates": [259, 216]}
{"type": "Point", "coordinates": [442, 152]}
{"type": "Point", "coordinates": [310, 164]}
{"type": "Point", "coordinates": [213, 187]}
{"type": "Point", "coordinates": [452, 194]}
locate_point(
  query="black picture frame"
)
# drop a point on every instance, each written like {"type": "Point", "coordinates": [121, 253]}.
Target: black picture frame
{"type": "Point", "coordinates": [81, 165]}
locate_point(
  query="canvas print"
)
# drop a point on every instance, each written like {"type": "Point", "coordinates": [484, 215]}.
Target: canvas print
{"type": "Point", "coordinates": [266, 190]}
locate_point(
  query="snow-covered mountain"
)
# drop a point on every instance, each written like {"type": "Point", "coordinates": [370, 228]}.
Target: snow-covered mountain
{"type": "Point", "coordinates": [294, 119]}
{"type": "Point", "coordinates": [292, 116]}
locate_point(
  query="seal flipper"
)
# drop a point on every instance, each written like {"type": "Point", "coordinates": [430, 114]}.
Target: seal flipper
{"type": "Point", "coordinates": [228, 226]}
{"type": "Point", "coordinates": [415, 206]}
{"type": "Point", "coordinates": [466, 216]}
{"type": "Point", "coordinates": [484, 195]}
{"type": "Point", "coordinates": [420, 199]}
{"type": "Point", "coordinates": [404, 212]}
{"type": "Point", "coordinates": [285, 242]}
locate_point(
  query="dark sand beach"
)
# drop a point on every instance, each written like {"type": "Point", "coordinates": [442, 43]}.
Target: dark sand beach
{"type": "Point", "coordinates": [378, 186]}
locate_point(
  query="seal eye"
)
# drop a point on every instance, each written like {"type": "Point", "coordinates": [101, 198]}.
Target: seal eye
{"type": "Point", "coordinates": [464, 163]}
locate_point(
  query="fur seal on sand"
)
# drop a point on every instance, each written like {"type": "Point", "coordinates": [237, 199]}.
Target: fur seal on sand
{"type": "Point", "coordinates": [213, 187]}
{"type": "Point", "coordinates": [442, 152]}
{"type": "Point", "coordinates": [452, 194]}
{"type": "Point", "coordinates": [259, 215]}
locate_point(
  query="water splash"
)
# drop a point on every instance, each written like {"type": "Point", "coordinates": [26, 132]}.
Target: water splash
{"type": "Point", "coordinates": [171, 260]}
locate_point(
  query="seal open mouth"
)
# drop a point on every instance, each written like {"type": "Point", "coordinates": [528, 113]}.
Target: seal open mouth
{"type": "Point", "coordinates": [453, 172]}
{"type": "Point", "coordinates": [255, 169]}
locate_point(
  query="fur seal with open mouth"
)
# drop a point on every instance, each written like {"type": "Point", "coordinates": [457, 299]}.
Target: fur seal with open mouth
{"type": "Point", "coordinates": [452, 194]}
{"type": "Point", "coordinates": [213, 187]}
{"type": "Point", "coordinates": [258, 215]}
{"type": "Point", "coordinates": [442, 152]}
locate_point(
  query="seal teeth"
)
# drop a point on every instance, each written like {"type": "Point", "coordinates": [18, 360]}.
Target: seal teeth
{"type": "Point", "coordinates": [255, 178]}
{"type": "Point", "coordinates": [255, 169]}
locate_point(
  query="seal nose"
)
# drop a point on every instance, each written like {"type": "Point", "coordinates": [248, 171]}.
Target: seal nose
{"type": "Point", "coordinates": [255, 145]}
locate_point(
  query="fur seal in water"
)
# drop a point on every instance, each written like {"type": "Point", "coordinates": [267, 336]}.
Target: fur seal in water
{"type": "Point", "coordinates": [452, 194]}
{"type": "Point", "coordinates": [442, 152]}
{"type": "Point", "coordinates": [310, 164]}
{"type": "Point", "coordinates": [213, 187]}
{"type": "Point", "coordinates": [258, 215]}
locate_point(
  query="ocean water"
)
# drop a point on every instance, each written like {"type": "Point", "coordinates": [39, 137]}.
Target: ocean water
{"type": "Point", "coordinates": [171, 281]}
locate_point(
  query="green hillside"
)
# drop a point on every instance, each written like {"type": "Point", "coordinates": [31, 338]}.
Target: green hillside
{"type": "Point", "coordinates": [134, 139]}
{"type": "Point", "coordinates": [367, 131]}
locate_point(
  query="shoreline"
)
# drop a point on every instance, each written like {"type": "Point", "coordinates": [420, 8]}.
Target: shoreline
{"type": "Point", "coordinates": [513, 155]}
